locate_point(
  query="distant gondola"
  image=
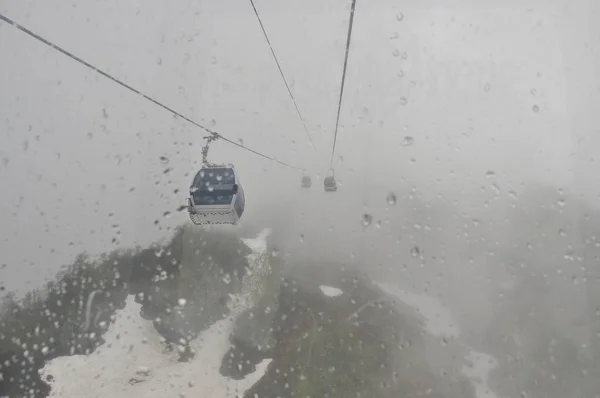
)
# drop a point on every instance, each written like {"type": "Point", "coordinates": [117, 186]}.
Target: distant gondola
{"type": "Point", "coordinates": [216, 196]}
{"type": "Point", "coordinates": [306, 182]}
{"type": "Point", "coordinates": [330, 184]}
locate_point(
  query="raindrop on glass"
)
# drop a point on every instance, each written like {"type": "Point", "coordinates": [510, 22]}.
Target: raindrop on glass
{"type": "Point", "coordinates": [158, 60]}
{"type": "Point", "coordinates": [391, 199]}
{"type": "Point", "coordinates": [490, 173]}
{"type": "Point", "coordinates": [487, 87]}
{"type": "Point", "coordinates": [403, 101]}
{"type": "Point", "coordinates": [394, 35]}
{"type": "Point", "coordinates": [396, 53]}
{"type": "Point", "coordinates": [533, 91]}
{"type": "Point", "coordinates": [367, 219]}
{"type": "Point", "coordinates": [181, 302]}
{"type": "Point", "coordinates": [415, 251]}
{"type": "Point", "coordinates": [562, 232]}
{"type": "Point", "coordinates": [536, 108]}
{"type": "Point", "coordinates": [301, 238]}
{"type": "Point", "coordinates": [407, 141]}
{"type": "Point", "coordinates": [400, 17]}
{"type": "Point", "coordinates": [164, 160]}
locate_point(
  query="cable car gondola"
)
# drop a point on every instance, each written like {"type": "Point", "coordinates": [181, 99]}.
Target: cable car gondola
{"type": "Point", "coordinates": [330, 184]}
{"type": "Point", "coordinates": [306, 182]}
{"type": "Point", "coordinates": [216, 196]}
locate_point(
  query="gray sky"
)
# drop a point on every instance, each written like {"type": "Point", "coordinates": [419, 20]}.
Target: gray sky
{"type": "Point", "coordinates": [470, 75]}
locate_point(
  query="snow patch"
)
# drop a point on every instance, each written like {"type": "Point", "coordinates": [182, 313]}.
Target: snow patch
{"type": "Point", "coordinates": [478, 372]}
{"type": "Point", "coordinates": [330, 291]}
{"type": "Point", "coordinates": [133, 363]}
{"type": "Point", "coordinates": [258, 244]}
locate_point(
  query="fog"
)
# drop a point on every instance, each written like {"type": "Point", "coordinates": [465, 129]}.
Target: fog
{"type": "Point", "coordinates": [474, 115]}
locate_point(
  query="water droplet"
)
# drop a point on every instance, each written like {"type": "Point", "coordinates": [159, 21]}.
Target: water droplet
{"type": "Point", "coordinates": [400, 17]}
{"type": "Point", "coordinates": [367, 219]}
{"type": "Point", "coordinates": [561, 202]}
{"type": "Point", "coordinates": [394, 35]}
{"type": "Point", "coordinates": [396, 53]}
{"type": "Point", "coordinates": [378, 224]}
{"type": "Point", "coordinates": [301, 238]}
{"type": "Point", "coordinates": [490, 173]}
{"type": "Point", "coordinates": [536, 108]}
{"type": "Point", "coordinates": [487, 87]}
{"type": "Point", "coordinates": [227, 279]}
{"type": "Point", "coordinates": [391, 199]}
{"type": "Point", "coordinates": [158, 60]}
{"type": "Point", "coordinates": [400, 73]}
{"type": "Point", "coordinates": [403, 101]}
{"type": "Point", "coordinates": [495, 187]}
{"type": "Point", "coordinates": [533, 91]}
{"type": "Point", "coordinates": [513, 194]}
{"type": "Point", "coordinates": [407, 141]}
{"type": "Point", "coordinates": [562, 232]}
{"type": "Point", "coordinates": [181, 302]}
{"type": "Point", "coordinates": [415, 251]}
{"type": "Point", "coordinates": [164, 160]}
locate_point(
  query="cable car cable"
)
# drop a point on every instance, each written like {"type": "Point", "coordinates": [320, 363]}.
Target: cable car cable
{"type": "Point", "coordinates": [114, 79]}
{"type": "Point", "coordinates": [282, 75]}
{"type": "Point", "coordinates": [337, 122]}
